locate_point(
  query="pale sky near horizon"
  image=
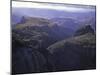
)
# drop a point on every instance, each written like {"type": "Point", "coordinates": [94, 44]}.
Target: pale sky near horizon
{"type": "Point", "coordinates": [87, 2]}
{"type": "Point", "coordinates": [49, 6]}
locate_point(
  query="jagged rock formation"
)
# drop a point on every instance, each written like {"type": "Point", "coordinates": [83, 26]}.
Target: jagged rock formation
{"type": "Point", "coordinates": [84, 30]}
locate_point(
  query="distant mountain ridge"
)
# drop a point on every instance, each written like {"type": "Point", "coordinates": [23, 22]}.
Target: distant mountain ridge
{"type": "Point", "coordinates": [67, 23]}
{"type": "Point", "coordinates": [50, 13]}
{"type": "Point", "coordinates": [40, 27]}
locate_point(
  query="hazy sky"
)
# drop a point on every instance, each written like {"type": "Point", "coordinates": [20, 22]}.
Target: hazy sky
{"type": "Point", "coordinates": [86, 2]}
{"type": "Point", "coordinates": [70, 8]}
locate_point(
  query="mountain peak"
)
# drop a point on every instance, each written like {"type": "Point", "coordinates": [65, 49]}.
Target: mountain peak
{"type": "Point", "coordinates": [83, 30]}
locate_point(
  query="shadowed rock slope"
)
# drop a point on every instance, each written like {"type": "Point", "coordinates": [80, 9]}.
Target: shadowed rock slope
{"type": "Point", "coordinates": [78, 52]}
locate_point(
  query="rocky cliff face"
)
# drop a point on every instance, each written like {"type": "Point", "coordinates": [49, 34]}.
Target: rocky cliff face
{"type": "Point", "coordinates": [40, 45]}
{"type": "Point", "coordinates": [78, 52]}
